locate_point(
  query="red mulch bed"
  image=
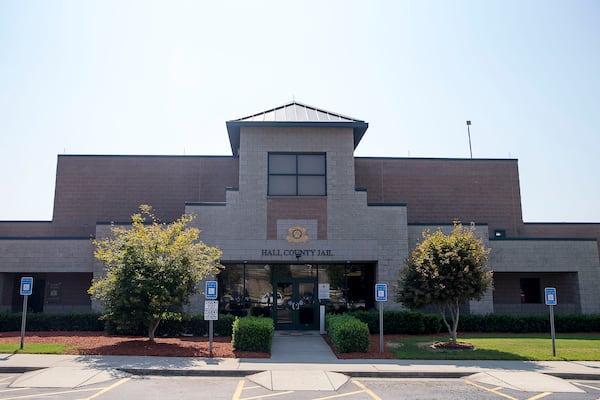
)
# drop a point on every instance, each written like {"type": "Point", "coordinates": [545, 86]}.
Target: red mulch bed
{"type": "Point", "coordinates": [98, 343]}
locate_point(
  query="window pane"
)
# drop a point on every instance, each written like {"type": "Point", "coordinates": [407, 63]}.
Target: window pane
{"type": "Point", "coordinates": [312, 164]}
{"type": "Point", "coordinates": [233, 298]}
{"type": "Point", "coordinates": [260, 289]}
{"type": "Point", "coordinates": [311, 185]}
{"type": "Point", "coordinates": [282, 185]}
{"type": "Point", "coordinates": [282, 164]}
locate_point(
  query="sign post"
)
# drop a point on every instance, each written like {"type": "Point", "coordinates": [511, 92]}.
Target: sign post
{"type": "Point", "coordinates": [26, 290]}
{"type": "Point", "coordinates": [380, 297]}
{"type": "Point", "coordinates": [211, 310]}
{"type": "Point", "coordinates": [551, 301]}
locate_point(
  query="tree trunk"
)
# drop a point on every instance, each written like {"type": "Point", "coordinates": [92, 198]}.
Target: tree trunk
{"type": "Point", "coordinates": [452, 326]}
{"type": "Point", "coordinates": [152, 329]}
{"type": "Point", "coordinates": [456, 316]}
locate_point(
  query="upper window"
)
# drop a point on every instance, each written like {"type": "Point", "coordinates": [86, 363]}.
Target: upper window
{"type": "Point", "coordinates": [297, 174]}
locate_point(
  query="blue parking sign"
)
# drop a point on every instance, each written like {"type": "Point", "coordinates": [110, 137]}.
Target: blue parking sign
{"type": "Point", "coordinates": [26, 286]}
{"type": "Point", "coordinates": [551, 299]}
{"type": "Point", "coordinates": [211, 290]}
{"type": "Point", "coordinates": [381, 292]}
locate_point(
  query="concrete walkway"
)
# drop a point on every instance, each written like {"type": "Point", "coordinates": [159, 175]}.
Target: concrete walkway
{"type": "Point", "coordinates": [298, 362]}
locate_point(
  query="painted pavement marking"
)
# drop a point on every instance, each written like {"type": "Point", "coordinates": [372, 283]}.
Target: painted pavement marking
{"type": "Point", "coordinates": [366, 390]}
{"type": "Point", "coordinates": [496, 390]}
{"type": "Point", "coordinates": [240, 388]}
{"type": "Point", "coordinates": [107, 389]}
{"type": "Point", "coordinates": [43, 395]}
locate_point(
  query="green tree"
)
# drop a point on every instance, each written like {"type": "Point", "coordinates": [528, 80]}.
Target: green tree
{"type": "Point", "coordinates": [152, 269]}
{"type": "Point", "coordinates": [444, 271]}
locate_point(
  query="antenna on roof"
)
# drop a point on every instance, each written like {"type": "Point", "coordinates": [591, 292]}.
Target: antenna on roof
{"type": "Point", "coordinates": [469, 132]}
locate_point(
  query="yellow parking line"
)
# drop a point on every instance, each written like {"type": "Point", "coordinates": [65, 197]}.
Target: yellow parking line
{"type": "Point", "coordinates": [238, 390]}
{"type": "Point", "coordinates": [107, 389]}
{"type": "Point", "coordinates": [12, 390]}
{"type": "Point", "coordinates": [366, 390]}
{"type": "Point", "coordinates": [28, 396]}
{"type": "Point", "coordinates": [340, 395]}
{"type": "Point", "coordinates": [539, 396]}
{"type": "Point", "coordinates": [587, 386]}
{"type": "Point", "coordinates": [491, 390]}
{"type": "Point", "coordinates": [268, 395]}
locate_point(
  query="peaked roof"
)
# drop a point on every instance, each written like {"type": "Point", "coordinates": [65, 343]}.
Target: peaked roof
{"type": "Point", "coordinates": [294, 114]}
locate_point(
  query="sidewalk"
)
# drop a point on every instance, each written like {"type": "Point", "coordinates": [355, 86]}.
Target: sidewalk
{"type": "Point", "coordinates": [302, 360]}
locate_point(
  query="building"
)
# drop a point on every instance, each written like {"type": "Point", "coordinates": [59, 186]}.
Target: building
{"type": "Point", "coordinates": [301, 221]}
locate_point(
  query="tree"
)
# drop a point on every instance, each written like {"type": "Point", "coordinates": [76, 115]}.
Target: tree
{"type": "Point", "coordinates": [152, 269]}
{"type": "Point", "coordinates": [444, 271]}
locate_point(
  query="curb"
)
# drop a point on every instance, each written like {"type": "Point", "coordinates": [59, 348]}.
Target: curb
{"type": "Point", "coordinates": [353, 374]}
{"type": "Point", "coordinates": [189, 372]}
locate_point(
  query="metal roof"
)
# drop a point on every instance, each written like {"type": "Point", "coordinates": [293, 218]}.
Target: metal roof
{"type": "Point", "coordinates": [294, 114]}
{"type": "Point", "coordinates": [297, 112]}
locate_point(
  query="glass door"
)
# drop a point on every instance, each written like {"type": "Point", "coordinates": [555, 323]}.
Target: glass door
{"type": "Point", "coordinates": [297, 304]}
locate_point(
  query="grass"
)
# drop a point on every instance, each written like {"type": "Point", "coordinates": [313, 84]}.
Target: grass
{"type": "Point", "coordinates": [33, 348]}
{"type": "Point", "coordinates": [533, 347]}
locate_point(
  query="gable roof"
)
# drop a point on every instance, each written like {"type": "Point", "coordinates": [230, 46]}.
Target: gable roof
{"type": "Point", "coordinates": [294, 114]}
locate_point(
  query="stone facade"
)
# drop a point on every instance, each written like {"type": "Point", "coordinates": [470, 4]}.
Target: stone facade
{"type": "Point", "coordinates": [356, 231]}
{"type": "Point", "coordinates": [374, 211]}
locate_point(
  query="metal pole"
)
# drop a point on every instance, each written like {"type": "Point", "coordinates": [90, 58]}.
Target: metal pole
{"type": "Point", "coordinates": [210, 337]}
{"type": "Point", "coordinates": [552, 331]}
{"type": "Point", "coordinates": [23, 319]}
{"type": "Point", "coordinates": [381, 326]}
{"type": "Point", "coordinates": [469, 132]}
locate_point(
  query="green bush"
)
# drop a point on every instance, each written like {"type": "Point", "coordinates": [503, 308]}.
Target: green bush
{"type": "Point", "coordinates": [400, 322]}
{"type": "Point", "coordinates": [348, 334]}
{"type": "Point", "coordinates": [37, 322]}
{"type": "Point", "coordinates": [191, 324]}
{"type": "Point", "coordinates": [564, 323]}
{"type": "Point", "coordinates": [252, 334]}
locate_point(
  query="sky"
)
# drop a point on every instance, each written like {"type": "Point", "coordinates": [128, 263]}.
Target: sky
{"type": "Point", "coordinates": [163, 77]}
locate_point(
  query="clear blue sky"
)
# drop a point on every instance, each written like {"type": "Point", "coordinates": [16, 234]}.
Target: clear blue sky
{"type": "Point", "coordinates": [143, 77]}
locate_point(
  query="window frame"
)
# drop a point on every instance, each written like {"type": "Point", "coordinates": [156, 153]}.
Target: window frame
{"type": "Point", "coordinates": [297, 175]}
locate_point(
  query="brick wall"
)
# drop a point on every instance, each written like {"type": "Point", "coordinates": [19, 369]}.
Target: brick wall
{"type": "Point", "coordinates": [297, 208]}
{"type": "Point", "coordinates": [441, 190]}
{"type": "Point", "coordinates": [111, 188]}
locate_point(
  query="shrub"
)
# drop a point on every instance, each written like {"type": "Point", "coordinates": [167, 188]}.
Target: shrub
{"type": "Point", "coordinates": [37, 322]}
{"type": "Point", "coordinates": [252, 334]}
{"type": "Point", "coordinates": [348, 334]}
{"type": "Point", "coordinates": [400, 322]}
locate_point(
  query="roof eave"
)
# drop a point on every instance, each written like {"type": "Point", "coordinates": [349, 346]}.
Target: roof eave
{"type": "Point", "coordinates": [233, 129]}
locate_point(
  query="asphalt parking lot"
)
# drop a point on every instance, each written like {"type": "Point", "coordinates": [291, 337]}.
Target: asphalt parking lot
{"type": "Point", "coordinates": [230, 388]}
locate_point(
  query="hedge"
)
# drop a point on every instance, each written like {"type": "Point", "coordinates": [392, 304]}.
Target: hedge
{"type": "Point", "coordinates": [564, 323]}
{"type": "Point", "coordinates": [193, 324]}
{"type": "Point", "coordinates": [414, 323]}
{"type": "Point", "coordinates": [348, 334]}
{"type": "Point", "coordinates": [37, 322]}
{"type": "Point", "coordinates": [401, 322]}
{"type": "Point", "coordinates": [252, 334]}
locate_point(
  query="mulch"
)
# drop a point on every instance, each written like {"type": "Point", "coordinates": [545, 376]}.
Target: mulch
{"type": "Point", "coordinates": [98, 343]}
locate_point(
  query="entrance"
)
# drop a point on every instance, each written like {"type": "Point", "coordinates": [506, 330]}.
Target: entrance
{"type": "Point", "coordinates": [297, 305]}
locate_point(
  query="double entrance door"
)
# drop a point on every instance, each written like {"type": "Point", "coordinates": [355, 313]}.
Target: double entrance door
{"type": "Point", "coordinates": [297, 304]}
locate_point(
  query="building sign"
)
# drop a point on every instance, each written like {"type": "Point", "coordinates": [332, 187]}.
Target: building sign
{"type": "Point", "coordinates": [296, 253]}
